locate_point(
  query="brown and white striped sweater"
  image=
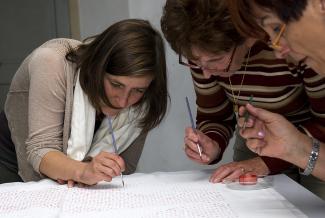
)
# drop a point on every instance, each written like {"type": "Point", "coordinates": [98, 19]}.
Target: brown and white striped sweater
{"type": "Point", "coordinates": [296, 93]}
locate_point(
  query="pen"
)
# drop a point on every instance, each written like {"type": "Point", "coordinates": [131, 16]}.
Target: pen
{"type": "Point", "coordinates": [193, 125]}
{"type": "Point", "coordinates": [246, 115]}
{"type": "Point", "coordinates": [114, 143]}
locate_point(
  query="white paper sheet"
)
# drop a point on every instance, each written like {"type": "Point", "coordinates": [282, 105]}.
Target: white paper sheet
{"type": "Point", "coordinates": [181, 194]}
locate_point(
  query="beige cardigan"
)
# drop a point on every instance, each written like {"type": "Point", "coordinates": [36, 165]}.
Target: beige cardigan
{"type": "Point", "coordinates": [39, 108]}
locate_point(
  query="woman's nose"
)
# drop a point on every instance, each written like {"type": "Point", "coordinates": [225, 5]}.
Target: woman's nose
{"type": "Point", "coordinates": [281, 50]}
{"type": "Point", "coordinates": [123, 100]}
{"type": "Point", "coordinates": [282, 53]}
{"type": "Point", "coordinates": [206, 73]}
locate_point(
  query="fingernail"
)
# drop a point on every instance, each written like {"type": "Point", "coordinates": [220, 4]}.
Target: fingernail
{"type": "Point", "coordinates": [226, 181]}
{"type": "Point", "coordinates": [206, 157]}
{"type": "Point", "coordinates": [260, 134]}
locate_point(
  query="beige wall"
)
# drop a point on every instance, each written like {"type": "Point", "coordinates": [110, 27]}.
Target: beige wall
{"type": "Point", "coordinates": [74, 19]}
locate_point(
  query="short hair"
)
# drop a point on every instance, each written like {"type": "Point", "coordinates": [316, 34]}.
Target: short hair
{"type": "Point", "coordinates": [130, 47]}
{"type": "Point", "coordinates": [202, 23]}
{"type": "Point", "coordinates": [244, 19]}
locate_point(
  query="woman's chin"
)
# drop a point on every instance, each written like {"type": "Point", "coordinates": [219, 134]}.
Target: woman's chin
{"type": "Point", "coordinates": [111, 112]}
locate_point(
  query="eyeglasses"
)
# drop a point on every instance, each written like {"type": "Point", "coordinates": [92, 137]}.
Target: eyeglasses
{"type": "Point", "coordinates": [275, 44]}
{"type": "Point", "coordinates": [195, 66]}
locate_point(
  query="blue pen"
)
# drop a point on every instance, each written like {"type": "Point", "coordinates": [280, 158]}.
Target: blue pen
{"type": "Point", "coordinates": [193, 125]}
{"type": "Point", "coordinates": [114, 142]}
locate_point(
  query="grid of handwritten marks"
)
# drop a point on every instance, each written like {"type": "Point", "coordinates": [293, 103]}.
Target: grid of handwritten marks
{"type": "Point", "coordinates": [157, 200]}
{"type": "Point", "coordinates": [138, 199]}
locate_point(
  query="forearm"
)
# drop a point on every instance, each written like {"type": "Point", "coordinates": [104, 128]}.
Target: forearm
{"type": "Point", "coordinates": [301, 154]}
{"type": "Point", "coordinates": [57, 165]}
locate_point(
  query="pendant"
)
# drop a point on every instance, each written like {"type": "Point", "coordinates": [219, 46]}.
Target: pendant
{"type": "Point", "coordinates": [236, 111]}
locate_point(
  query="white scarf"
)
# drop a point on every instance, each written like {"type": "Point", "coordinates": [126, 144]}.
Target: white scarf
{"type": "Point", "coordinates": [83, 143]}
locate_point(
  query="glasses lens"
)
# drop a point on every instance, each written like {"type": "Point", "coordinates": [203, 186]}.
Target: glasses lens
{"type": "Point", "coordinates": [213, 65]}
{"type": "Point", "coordinates": [187, 63]}
{"type": "Point", "coordinates": [275, 44]}
{"type": "Point", "coordinates": [226, 62]}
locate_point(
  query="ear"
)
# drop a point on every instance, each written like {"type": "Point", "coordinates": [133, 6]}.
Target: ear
{"type": "Point", "coordinates": [318, 6]}
{"type": "Point", "coordinates": [322, 6]}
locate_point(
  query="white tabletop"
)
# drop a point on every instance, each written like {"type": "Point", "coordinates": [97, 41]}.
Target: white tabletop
{"type": "Point", "coordinates": [306, 201]}
{"type": "Point", "coordinates": [161, 194]}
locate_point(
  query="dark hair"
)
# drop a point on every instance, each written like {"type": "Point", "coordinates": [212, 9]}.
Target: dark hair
{"type": "Point", "coordinates": [286, 10]}
{"type": "Point", "coordinates": [127, 48]}
{"type": "Point", "coordinates": [244, 19]}
{"type": "Point", "coordinates": [202, 23]}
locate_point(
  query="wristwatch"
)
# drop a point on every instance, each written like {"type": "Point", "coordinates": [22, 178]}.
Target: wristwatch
{"type": "Point", "coordinates": [312, 157]}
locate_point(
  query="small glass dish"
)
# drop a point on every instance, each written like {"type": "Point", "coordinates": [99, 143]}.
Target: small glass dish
{"type": "Point", "coordinates": [250, 182]}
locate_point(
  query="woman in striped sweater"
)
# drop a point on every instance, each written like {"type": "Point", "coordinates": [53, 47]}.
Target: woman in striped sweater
{"type": "Point", "coordinates": [227, 69]}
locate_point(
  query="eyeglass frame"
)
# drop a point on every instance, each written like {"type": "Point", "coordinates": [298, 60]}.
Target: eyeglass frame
{"type": "Point", "coordinates": [198, 67]}
{"type": "Point", "coordinates": [275, 44]}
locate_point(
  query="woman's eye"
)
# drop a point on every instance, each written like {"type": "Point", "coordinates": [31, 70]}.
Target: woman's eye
{"type": "Point", "coordinates": [117, 85]}
{"type": "Point", "coordinates": [141, 91]}
{"type": "Point", "coordinates": [276, 29]}
{"type": "Point", "coordinates": [219, 59]}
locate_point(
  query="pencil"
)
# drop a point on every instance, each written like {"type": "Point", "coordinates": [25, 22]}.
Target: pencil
{"type": "Point", "coordinates": [193, 125]}
{"type": "Point", "coordinates": [114, 142]}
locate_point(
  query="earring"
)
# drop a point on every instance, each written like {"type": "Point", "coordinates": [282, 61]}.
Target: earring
{"type": "Point", "coordinates": [322, 5]}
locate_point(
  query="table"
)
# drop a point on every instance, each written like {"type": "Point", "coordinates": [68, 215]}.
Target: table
{"type": "Point", "coordinates": [302, 198]}
{"type": "Point", "coordinates": [160, 194]}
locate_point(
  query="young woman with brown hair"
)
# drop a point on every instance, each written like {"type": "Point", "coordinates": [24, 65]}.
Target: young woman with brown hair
{"type": "Point", "coordinates": [55, 118]}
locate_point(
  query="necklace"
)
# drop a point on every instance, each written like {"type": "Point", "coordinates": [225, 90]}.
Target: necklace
{"type": "Point", "coordinates": [234, 97]}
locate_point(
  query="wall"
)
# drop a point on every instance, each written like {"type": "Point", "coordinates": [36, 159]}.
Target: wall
{"type": "Point", "coordinates": [97, 15]}
{"type": "Point", "coordinates": [26, 25]}
{"type": "Point", "coordinates": [164, 146]}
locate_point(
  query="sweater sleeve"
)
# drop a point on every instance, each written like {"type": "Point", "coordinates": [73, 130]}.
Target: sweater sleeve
{"type": "Point", "coordinates": [215, 116]}
{"type": "Point", "coordinates": [133, 153]}
{"type": "Point", "coordinates": [276, 165]}
{"type": "Point", "coordinates": [47, 92]}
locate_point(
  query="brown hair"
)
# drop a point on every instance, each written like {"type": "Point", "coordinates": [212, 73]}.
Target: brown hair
{"type": "Point", "coordinates": [127, 48]}
{"type": "Point", "coordinates": [202, 23]}
{"type": "Point", "coordinates": [244, 18]}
